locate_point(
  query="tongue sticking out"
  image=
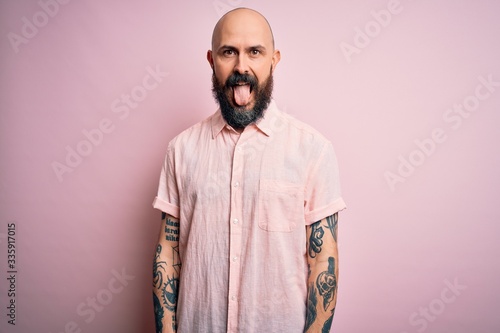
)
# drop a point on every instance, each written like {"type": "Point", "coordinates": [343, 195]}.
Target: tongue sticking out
{"type": "Point", "coordinates": [242, 94]}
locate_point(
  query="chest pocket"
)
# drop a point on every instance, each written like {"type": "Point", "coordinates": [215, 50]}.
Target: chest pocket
{"type": "Point", "coordinates": [281, 205]}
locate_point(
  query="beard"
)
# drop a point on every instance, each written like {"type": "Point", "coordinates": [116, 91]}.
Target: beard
{"type": "Point", "coordinates": [237, 116]}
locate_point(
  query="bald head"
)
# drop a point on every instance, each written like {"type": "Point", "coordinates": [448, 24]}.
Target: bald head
{"type": "Point", "coordinates": [241, 21]}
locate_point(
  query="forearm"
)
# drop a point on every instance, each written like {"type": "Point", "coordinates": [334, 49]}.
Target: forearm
{"type": "Point", "coordinates": [322, 258]}
{"type": "Point", "coordinates": [166, 273]}
{"type": "Point", "coordinates": [322, 297]}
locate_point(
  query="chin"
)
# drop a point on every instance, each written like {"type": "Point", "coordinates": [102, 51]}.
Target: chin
{"type": "Point", "coordinates": [245, 108]}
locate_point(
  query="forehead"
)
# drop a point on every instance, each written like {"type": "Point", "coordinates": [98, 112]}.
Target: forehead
{"type": "Point", "coordinates": [242, 28]}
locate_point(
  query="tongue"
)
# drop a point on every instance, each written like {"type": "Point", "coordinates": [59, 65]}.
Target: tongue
{"type": "Point", "coordinates": [242, 94]}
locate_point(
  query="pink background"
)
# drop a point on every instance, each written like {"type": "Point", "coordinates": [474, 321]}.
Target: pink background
{"type": "Point", "coordinates": [402, 245]}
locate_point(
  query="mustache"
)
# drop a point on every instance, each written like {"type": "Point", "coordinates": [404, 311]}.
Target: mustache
{"type": "Point", "coordinates": [236, 78]}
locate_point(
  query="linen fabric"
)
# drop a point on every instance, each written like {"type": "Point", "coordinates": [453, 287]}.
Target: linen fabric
{"type": "Point", "coordinates": [243, 201]}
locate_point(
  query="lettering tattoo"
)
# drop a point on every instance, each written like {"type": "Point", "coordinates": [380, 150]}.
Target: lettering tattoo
{"type": "Point", "coordinates": [315, 240]}
{"type": "Point", "coordinates": [312, 301]}
{"type": "Point", "coordinates": [327, 283]}
{"type": "Point", "coordinates": [331, 223]}
{"type": "Point", "coordinates": [171, 230]}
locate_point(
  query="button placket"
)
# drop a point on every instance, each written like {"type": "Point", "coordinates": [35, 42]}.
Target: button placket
{"type": "Point", "coordinates": [235, 236]}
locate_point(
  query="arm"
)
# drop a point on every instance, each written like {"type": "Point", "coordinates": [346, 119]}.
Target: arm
{"type": "Point", "coordinates": [166, 270]}
{"type": "Point", "coordinates": [322, 260]}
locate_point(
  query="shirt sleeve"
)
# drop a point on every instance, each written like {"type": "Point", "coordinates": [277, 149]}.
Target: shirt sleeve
{"type": "Point", "coordinates": [167, 199]}
{"type": "Point", "coordinates": [322, 194]}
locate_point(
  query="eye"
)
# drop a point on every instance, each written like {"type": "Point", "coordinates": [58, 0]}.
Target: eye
{"type": "Point", "coordinates": [228, 53]}
{"type": "Point", "coordinates": [255, 52]}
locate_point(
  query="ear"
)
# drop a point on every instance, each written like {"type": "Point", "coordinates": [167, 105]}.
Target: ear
{"type": "Point", "coordinates": [210, 58]}
{"type": "Point", "coordinates": [276, 58]}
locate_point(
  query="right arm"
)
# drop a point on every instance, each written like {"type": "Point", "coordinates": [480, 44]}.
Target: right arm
{"type": "Point", "coordinates": [166, 272]}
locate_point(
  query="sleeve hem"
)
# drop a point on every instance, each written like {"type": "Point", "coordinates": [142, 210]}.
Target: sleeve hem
{"type": "Point", "coordinates": [325, 211]}
{"type": "Point", "coordinates": [166, 207]}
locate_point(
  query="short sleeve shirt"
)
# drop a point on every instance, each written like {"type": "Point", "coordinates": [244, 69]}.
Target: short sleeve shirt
{"type": "Point", "coordinates": [243, 201]}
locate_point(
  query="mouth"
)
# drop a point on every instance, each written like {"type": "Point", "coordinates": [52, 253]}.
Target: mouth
{"type": "Point", "coordinates": [242, 92]}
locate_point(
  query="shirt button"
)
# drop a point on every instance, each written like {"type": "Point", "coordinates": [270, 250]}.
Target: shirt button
{"type": "Point", "coordinates": [233, 298]}
{"type": "Point", "coordinates": [235, 258]}
{"type": "Point", "coordinates": [235, 221]}
{"type": "Point", "coordinates": [236, 184]}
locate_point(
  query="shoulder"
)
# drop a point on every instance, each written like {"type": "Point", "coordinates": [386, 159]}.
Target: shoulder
{"type": "Point", "coordinates": [298, 130]}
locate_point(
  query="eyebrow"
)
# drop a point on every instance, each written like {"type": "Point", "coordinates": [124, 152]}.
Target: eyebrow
{"type": "Point", "coordinates": [254, 47]}
{"type": "Point", "coordinates": [257, 47]}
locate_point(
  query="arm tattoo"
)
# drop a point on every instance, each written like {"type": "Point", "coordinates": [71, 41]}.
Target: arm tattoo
{"type": "Point", "coordinates": [176, 262]}
{"type": "Point", "coordinates": [169, 293]}
{"type": "Point", "coordinates": [312, 301]}
{"type": "Point", "coordinates": [158, 270]}
{"type": "Point", "coordinates": [328, 323]}
{"type": "Point", "coordinates": [331, 223]}
{"type": "Point", "coordinates": [326, 283]}
{"type": "Point", "coordinates": [166, 285]}
{"type": "Point", "coordinates": [315, 240]}
{"type": "Point", "coordinates": [158, 313]}
{"type": "Point", "coordinates": [172, 230]}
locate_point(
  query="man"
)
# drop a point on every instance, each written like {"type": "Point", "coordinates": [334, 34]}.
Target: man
{"type": "Point", "coordinates": [249, 196]}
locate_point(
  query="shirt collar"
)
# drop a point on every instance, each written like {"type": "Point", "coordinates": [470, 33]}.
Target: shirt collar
{"type": "Point", "coordinates": [218, 123]}
{"type": "Point", "coordinates": [264, 124]}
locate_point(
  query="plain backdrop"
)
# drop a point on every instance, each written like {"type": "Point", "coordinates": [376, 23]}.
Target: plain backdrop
{"type": "Point", "coordinates": [408, 91]}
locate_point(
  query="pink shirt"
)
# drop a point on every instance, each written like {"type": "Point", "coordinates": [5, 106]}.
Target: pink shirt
{"type": "Point", "coordinates": [243, 201]}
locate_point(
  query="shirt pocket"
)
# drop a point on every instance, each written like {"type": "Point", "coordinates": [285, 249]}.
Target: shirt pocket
{"type": "Point", "coordinates": [281, 205]}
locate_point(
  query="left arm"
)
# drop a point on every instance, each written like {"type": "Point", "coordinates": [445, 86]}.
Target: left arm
{"type": "Point", "coordinates": [322, 260]}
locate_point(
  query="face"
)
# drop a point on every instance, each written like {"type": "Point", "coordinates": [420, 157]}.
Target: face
{"type": "Point", "coordinates": [243, 60]}
{"type": "Point", "coordinates": [236, 115]}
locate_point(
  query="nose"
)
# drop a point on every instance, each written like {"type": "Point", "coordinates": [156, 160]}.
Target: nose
{"type": "Point", "coordinates": [241, 65]}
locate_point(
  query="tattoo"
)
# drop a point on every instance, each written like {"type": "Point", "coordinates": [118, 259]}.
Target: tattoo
{"type": "Point", "coordinates": [169, 293]}
{"type": "Point", "coordinates": [331, 223]}
{"type": "Point", "coordinates": [158, 313]}
{"type": "Point", "coordinates": [171, 230]}
{"type": "Point", "coordinates": [326, 283]}
{"type": "Point", "coordinates": [315, 240]}
{"type": "Point", "coordinates": [328, 323]}
{"type": "Point", "coordinates": [312, 301]}
{"type": "Point", "coordinates": [166, 284]}
{"type": "Point", "coordinates": [158, 269]}
{"type": "Point", "coordinates": [176, 262]}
